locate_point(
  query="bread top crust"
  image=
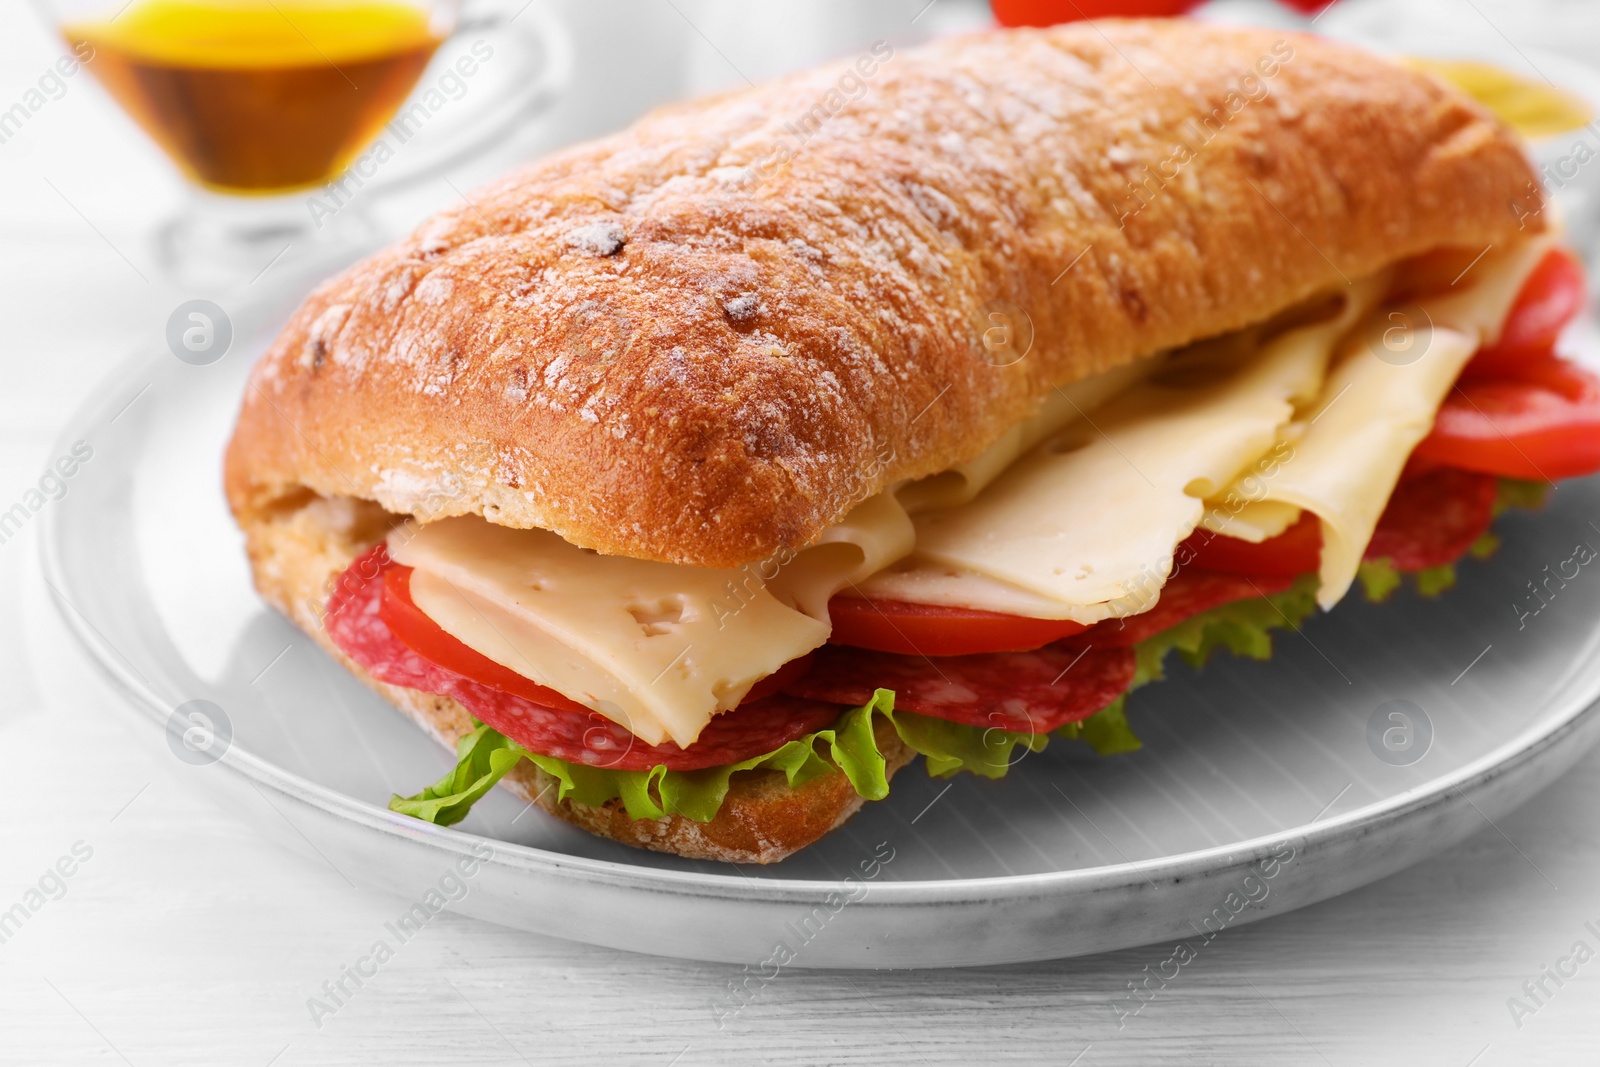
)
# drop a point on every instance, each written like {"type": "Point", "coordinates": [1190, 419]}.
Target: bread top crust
{"type": "Point", "coordinates": [703, 339]}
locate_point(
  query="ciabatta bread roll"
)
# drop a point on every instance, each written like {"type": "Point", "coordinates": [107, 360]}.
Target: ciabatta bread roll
{"type": "Point", "coordinates": [662, 345]}
{"type": "Point", "coordinates": [702, 340]}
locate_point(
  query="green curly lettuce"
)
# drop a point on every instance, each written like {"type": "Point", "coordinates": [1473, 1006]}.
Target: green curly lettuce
{"type": "Point", "coordinates": [1487, 544]}
{"type": "Point", "coordinates": [1243, 627]}
{"type": "Point", "coordinates": [484, 756]}
{"type": "Point", "coordinates": [1520, 494]}
{"type": "Point", "coordinates": [1106, 731]}
{"type": "Point", "coordinates": [1380, 577]}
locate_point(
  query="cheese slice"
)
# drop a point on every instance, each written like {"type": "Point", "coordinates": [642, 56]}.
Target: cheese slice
{"type": "Point", "coordinates": [1343, 459]}
{"type": "Point", "coordinates": [1065, 406]}
{"type": "Point", "coordinates": [1237, 515]}
{"type": "Point", "coordinates": [920, 581]}
{"type": "Point", "coordinates": [1084, 526]}
{"type": "Point", "coordinates": [656, 647]}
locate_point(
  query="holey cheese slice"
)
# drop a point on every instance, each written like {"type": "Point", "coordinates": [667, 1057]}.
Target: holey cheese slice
{"type": "Point", "coordinates": [656, 647]}
{"type": "Point", "coordinates": [1342, 459]}
{"type": "Point", "coordinates": [1084, 526]}
{"type": "Point", "coordinates": [1319, 417]}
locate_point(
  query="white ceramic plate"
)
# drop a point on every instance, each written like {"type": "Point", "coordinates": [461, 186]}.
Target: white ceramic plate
{"type": "Point", "coordinates": [1071, 854]}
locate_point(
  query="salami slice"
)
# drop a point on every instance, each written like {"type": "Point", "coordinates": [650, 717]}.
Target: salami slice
{"type": "Point", "coordinates": [1432, 519]}
{"type": "Point", "coordinates": [1027, 692]}
{"type": "Point", "coordinates": [1187, 593]}
{"type": "Point", "coordinates": [752, 729]}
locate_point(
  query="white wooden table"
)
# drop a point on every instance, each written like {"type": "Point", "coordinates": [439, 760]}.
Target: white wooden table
{"type": "Point", "coordinates": [183, 938]}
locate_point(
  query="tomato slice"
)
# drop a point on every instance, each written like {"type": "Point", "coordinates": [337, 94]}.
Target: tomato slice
{"type": "Point", "coordinates": [1550, 298]}
{"type": "Point", "coordinates": [1543, 424]}
{"type": "Point", "coordinates": [933, 630]}
{"type": "Point", "coordinates": [427, 639]}
{"type": "Point", "coordinates": [1050, 12]}
{"type": "Point", "coordinates": [1296, 551]}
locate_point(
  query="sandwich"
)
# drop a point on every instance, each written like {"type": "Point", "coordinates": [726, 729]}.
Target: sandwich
{"type": "Point", "coordinates": [693, 482]}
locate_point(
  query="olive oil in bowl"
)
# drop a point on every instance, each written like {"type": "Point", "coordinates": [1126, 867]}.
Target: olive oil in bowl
{"type": "Point", "coordinates": [260, 96]}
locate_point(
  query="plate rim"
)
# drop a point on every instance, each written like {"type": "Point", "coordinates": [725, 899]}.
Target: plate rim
{"type": "Point", "coordinates": [1517, 750]}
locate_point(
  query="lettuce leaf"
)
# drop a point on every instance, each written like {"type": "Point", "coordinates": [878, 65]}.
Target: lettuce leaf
{"type": "Point", "coordinates": [1380, 577]}
{"type": "Point", "coordinates": [1243, 627]}
{"type": "Point", "coordinates": [1106, 731]}
{"type": "Point", "coordinates": [485, 756]}
{"type": "Point", "coordinates": [1517, 493]}
{"type": "Point", "coordinates": [1433, 581]}
{"type": "Point", "coordinates": [950, 747]}
{"type": "Point", "coordinates": [482, 758]}
{"type": "Point", "coordinates": [1511, 493]}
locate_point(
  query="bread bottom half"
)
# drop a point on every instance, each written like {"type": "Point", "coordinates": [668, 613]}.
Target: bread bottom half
{"type": "Point", "coordinates": [299, 549]}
